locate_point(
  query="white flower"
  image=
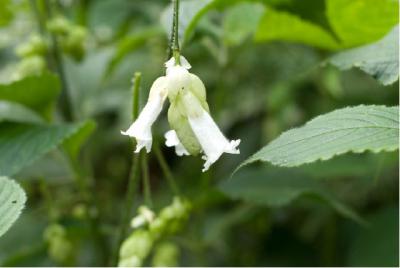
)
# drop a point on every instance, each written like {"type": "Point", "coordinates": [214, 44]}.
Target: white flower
{"type": "Point", "coordinates": [210, 137]}
{"type": "Point", "coordinates": [141, 128]}
{"type": "Point", "coordinates": [145, 216]}
{"type": "Point", "coordinates": [187, 92]}
{"type": "Point", "coordinates": [172, 63]}
{"type": "Point", "coordinates": [173, 140]}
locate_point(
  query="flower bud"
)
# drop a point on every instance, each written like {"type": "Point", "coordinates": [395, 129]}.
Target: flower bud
{"type": "Point", "coordinates": [33, 47]}
{"type": "Point", "coordinates": [166, 255]}
{"type": "Point", "coordinates": [135, 249]}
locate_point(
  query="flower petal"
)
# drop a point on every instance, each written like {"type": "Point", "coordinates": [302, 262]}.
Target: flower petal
{"type": "Point", "coordinates": [141, 128]}
{"type": "Point", "coordinates": [210, 137]}
{"type": "Point", "coordinates": [184, 63]}
{"type": "Point", "coordinates": [173, 140]}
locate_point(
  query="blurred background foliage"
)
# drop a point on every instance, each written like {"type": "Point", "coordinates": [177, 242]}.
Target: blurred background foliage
{"type": "Point", "coordinates": [264, 66]}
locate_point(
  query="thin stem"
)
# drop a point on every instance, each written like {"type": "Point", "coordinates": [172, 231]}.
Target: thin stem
{"type": "Point", "coordinates": [129, 198]}
{"type": "Point", "coordinates": [166, 170]}
{"type": "Point", "coordinates": [133, 179]}
{"type": "Point", "coordinates": [49, 201]}
{"type": "Point", "coordinates": [137, 78]}
{"type": "Point", "coordinates": [146, 182]}
{"type": "Point", "coordinates": [58, 62]}
{"type": "Point", "coordinates": [92, 213]}
{"type": "Point", "coordinates": [175, 32]}
{"type": "Point", "coordinates": [38, 17]}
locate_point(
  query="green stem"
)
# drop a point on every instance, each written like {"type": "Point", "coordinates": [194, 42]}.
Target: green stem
{"type": "Point", "coordinates": [65, 100]}
{"type": "Point", "coordinates": [166, 170]}
{"type": "Point", "coordinates": [146, 182]}
{"type": "Point", "coordinates": [132, 180]}
{"type": "Point", "coordinates": [136, 80]}
{"type": "Point", "coordinates": [175, 32]}
{"type": "Point", "coordinates": [49, 201]}
{"type": "Point", "coordinates": [92, 218]}
{"type": "Point", "coordinates": [38, 17]}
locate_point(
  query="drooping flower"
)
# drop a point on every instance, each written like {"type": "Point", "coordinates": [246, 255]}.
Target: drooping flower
{"type": "Point", "coordinates": [193, 129]}
{"type": "Point", "coordinates": [141, 128]}
{"type": "Point", "coordinates": [210, 137]}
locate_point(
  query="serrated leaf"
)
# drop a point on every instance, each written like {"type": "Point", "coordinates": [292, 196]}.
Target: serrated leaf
{"type": "Point", "coordinates": [379, 59]}
{"type": "Point", "coordinates": [12, 201]}
{"type": "Point", "coordinates": [354, 129]}
{"type": "Point", "coordinates": [359, 22]}
{"type": "Point", "coordinates": [38, 93]}
{"type": "Point", "coordinates": [284, 26]}
{"type": "Point", "coordinates": [276, 187]}
{"type": "Point", "coordinates": [15, 112]}
{"type": "Point", "coordinates": [20, 145]}
{"type": "Point", "coordinates": [190, 11]}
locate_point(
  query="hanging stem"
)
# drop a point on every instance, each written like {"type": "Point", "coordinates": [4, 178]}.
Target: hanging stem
{"type": "Point", "coordinates": [175, 32]}
{"type": "Point", "coordinates": [166, 170]}
{"type": "Point", "coordinates": [133, 177]}
{"type": "Point", "coordinates": [38, 17]}
{"type": "Point", "coordinates": [59, 67]}
{"type": "Point", "coordinates": [43, 12]}
{"type": "Point", "coordinates": [146, 182]}
{"type": "Point", "coordinates": [136, 80]}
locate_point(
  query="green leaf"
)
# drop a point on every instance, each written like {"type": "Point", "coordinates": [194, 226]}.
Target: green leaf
{"type": "Point", "coordinates": [379, 59]}
{"type": "Point", "coordinates": [12, 201]}
{"type": "Point", "coordinates": [383, 231]}
{"type": "Point", "coordinates": [6, 14]}
{"type": "Point", "coordinates": [353, 129]}
{"type": "Point", "coordinates": [73, 144]}
{"type": "Point", "coordinates": [241, 21]}
{"type": "Point", "coordinates": [358, 22]}
{"type": "Point", "coordinates": [21, 145]}
{"type": "Point", "coordinates": [276, 187]}
{"type": "Point", "coordinates": [129, 44]}
{"type": "Point", "coordinates": [15, 112]}
{"type": "Point", "coordinates": [190, 12]}
{"type": "Point", "coordinates": [38, 93]}
{"type": "Point", "coordinates": [284, 26]}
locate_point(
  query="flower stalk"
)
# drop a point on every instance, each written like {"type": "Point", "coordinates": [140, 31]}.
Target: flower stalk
{"type": "Point", "coordinates": [175, 32]}
{"type": "Point", "coordinates": [133, 180]}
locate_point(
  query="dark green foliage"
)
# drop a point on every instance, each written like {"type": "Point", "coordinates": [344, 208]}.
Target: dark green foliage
{"type": "Point", "coordinates": [278, 75]}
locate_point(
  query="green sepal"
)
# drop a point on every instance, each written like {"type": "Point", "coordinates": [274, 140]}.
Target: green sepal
{"type": "Point", "coordinates": [187, 101]}
{"type": "Point", "coordinates": [179, 122]}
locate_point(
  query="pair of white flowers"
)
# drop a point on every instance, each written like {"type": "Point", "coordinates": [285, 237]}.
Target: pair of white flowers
{"type": "Point", "coordinates": [193, 129]}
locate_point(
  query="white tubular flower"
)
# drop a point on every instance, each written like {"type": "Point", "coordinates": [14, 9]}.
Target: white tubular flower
{"type": "Point", "coordinates": [188, 116]}
{"type": "Point", "coordinates": [210, 137]}
{"type": "Point", "coordinates": [173, 140]}
{"type": "Point", "coordinates": [141, 128]}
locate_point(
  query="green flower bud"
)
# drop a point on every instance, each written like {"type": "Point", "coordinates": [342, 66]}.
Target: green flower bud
{"type": "Point", "coordinates": [74, 43]}
{"type": "Point", "coordinates": [33, 65]}
{"type": "Point", "coordinates": [179, 122]}
{"type": "Point", "coordinates": [54, 230]}
{"type": "Point", "coordinates": [80, 211]}
{"type": "Point", "coordinates": [135, 249]}
{"type": "Point", "coordinates": [34, 46]}
{"type": "Point", "coordinates": [166, 255]}
{"type": "Point", "coordinates": [59, 25]}
{"type": "Point", "coordinates": [171, 217]}
{"type": "Point", "coordinates": [60, 249]}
